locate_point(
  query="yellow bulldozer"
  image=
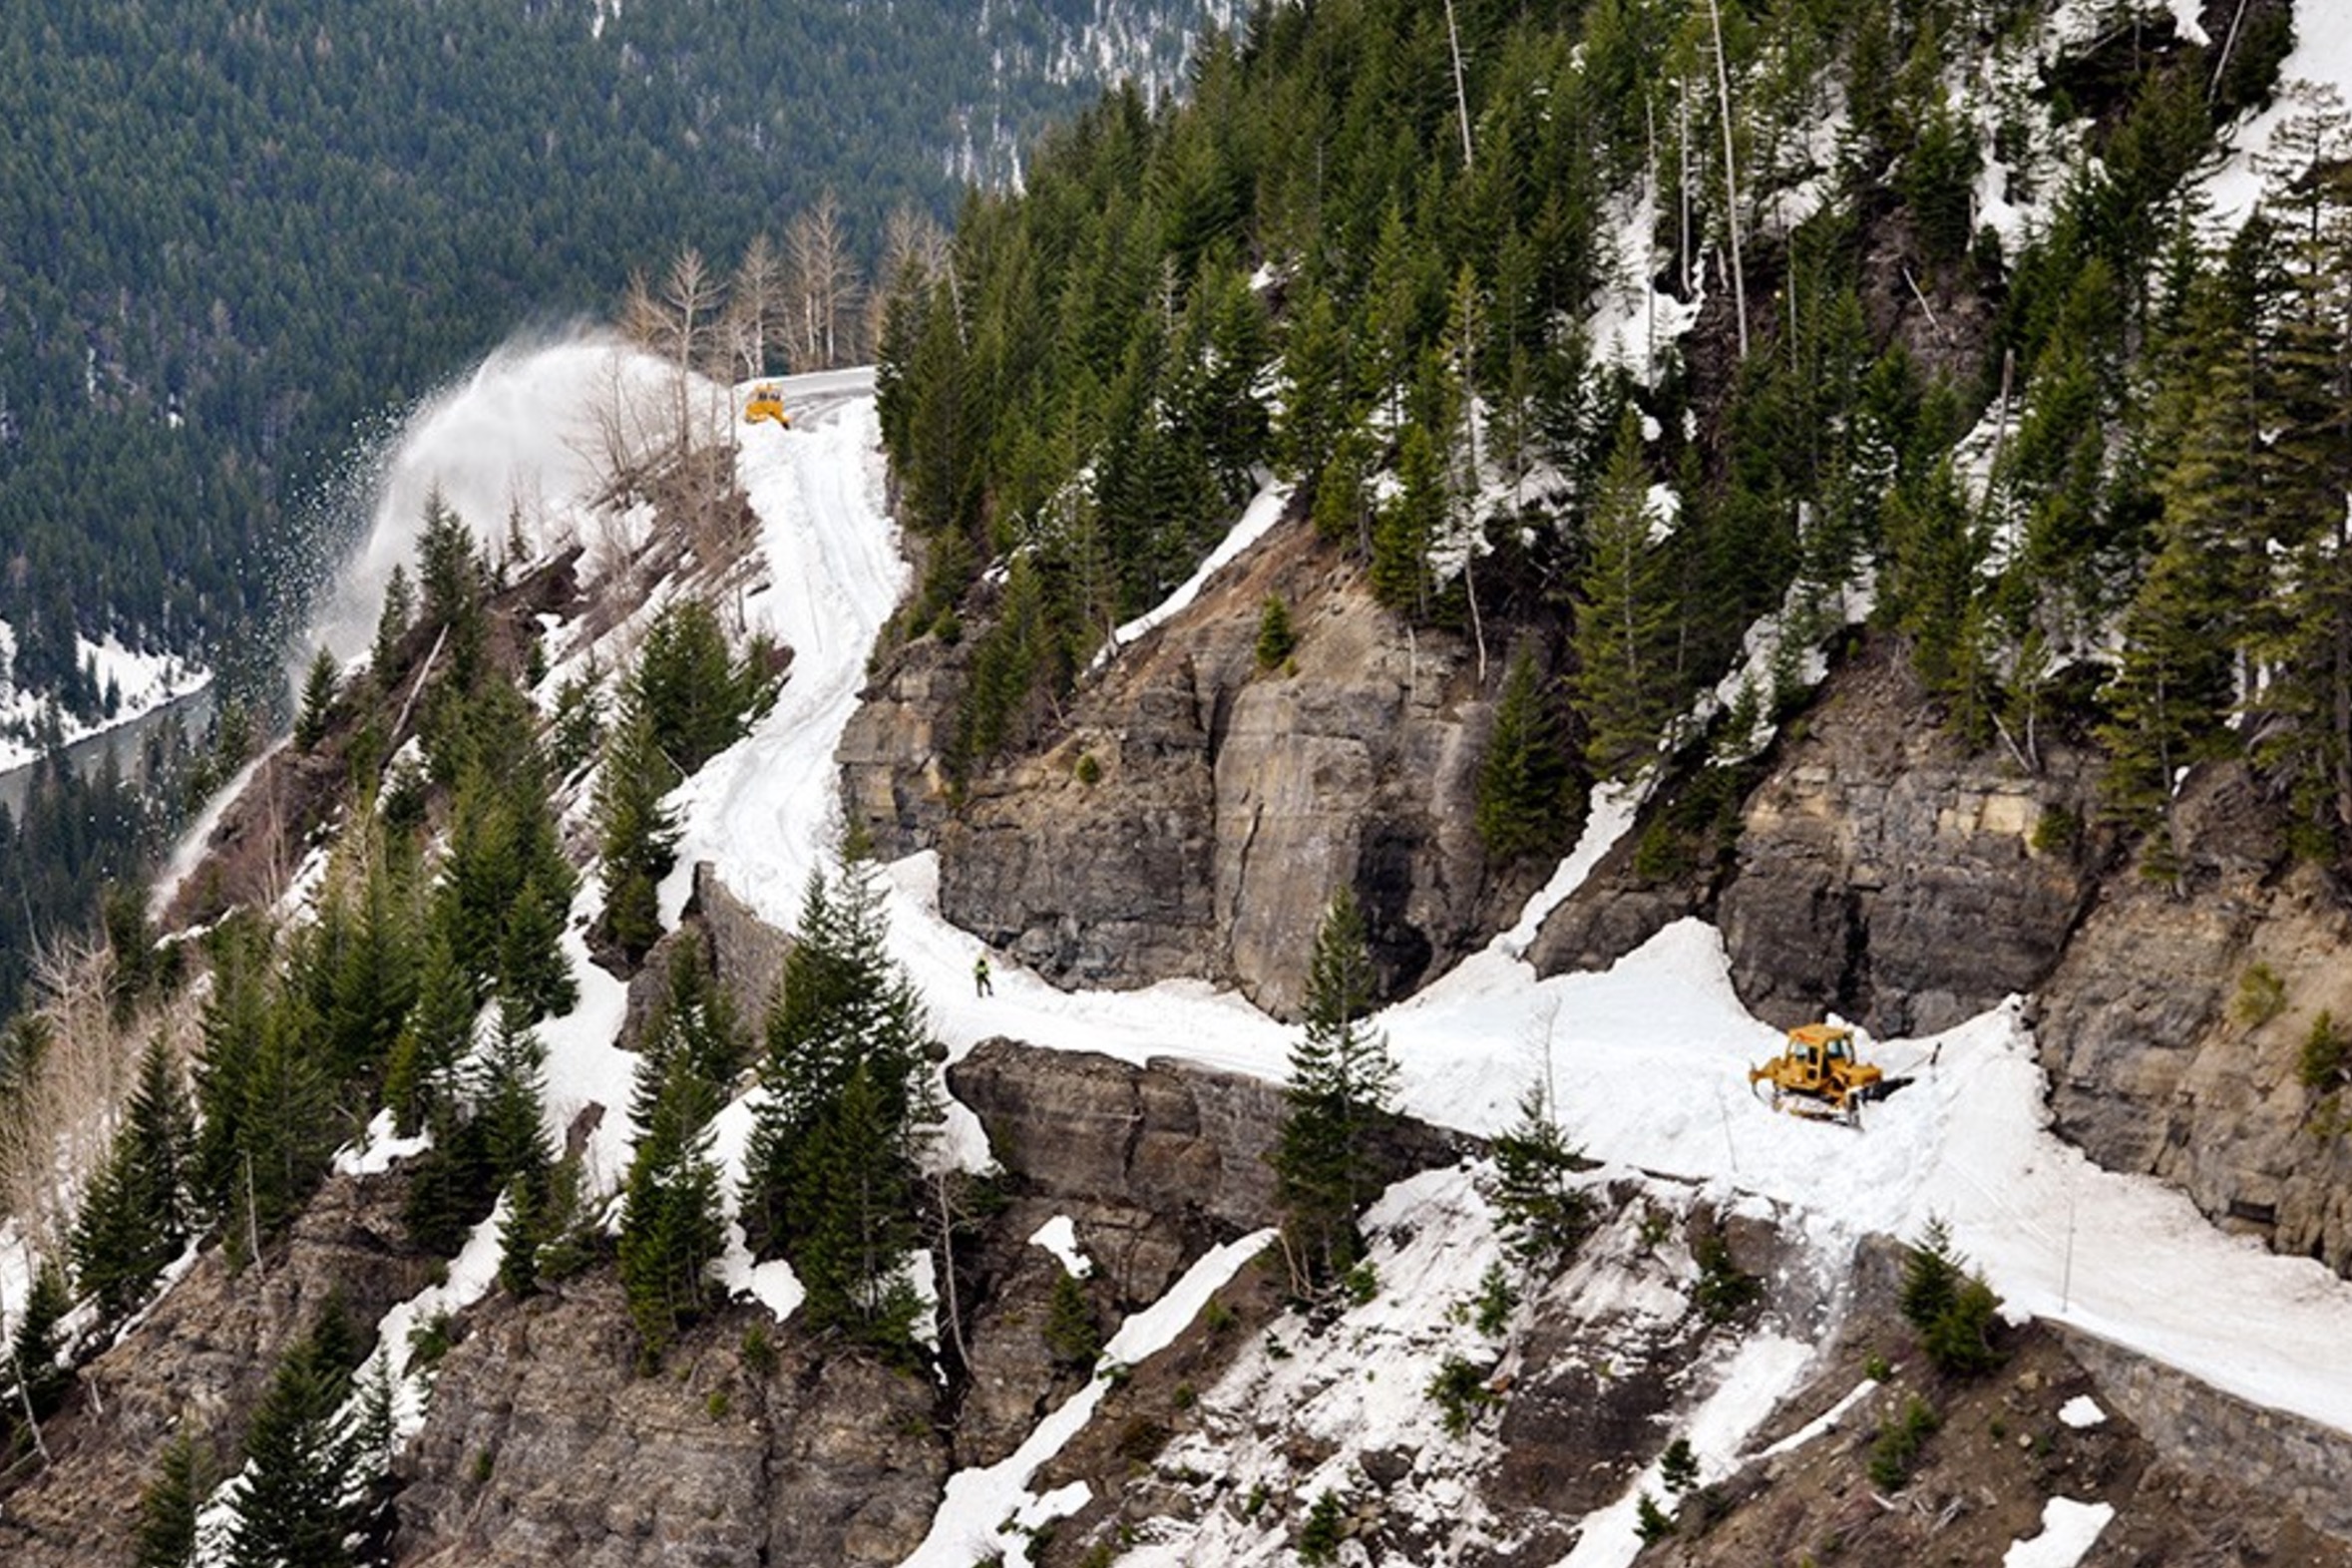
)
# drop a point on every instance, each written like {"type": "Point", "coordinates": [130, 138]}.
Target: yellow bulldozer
{"type": "Point", "coordinates": [1818, 1075]}
{"type": "Point", "coordinates": [767, 402]}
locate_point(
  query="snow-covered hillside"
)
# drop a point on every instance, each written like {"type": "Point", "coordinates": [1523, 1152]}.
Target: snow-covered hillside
{"type": "Point", "coordinates": [1967, 1141]}
{"type": "Point", "coordinates": [136, 684]}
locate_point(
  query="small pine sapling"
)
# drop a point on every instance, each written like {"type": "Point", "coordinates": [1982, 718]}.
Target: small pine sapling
{"type": "Point", "coordinates": [1951, 1309]}
{"type": "Point", "coordinates": [1070, 1331]}
{"type": "Point", "coordinates": [1320, 1537]}
{"type": "Point", "coordinates": [1678, 1467]}
{"type": "Point", "coordinates": [1276, 639]}
{"type": "Point", "coordinates": [1492, 1308]}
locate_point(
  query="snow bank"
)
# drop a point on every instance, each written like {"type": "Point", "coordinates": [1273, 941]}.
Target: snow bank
{"type": "Point", "coordinates": [1256, 521]}
{"type": "Point", "coordinates": [1060, 1236]}
{"type": "Point", "coordinates": [2069, 1530]}
{"type": "Point", "coordinates": [2322, 58]}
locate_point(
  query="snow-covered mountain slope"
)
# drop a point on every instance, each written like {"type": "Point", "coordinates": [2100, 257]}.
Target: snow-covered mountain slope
{"type": "Point", "coordinates": [1649, 1059]}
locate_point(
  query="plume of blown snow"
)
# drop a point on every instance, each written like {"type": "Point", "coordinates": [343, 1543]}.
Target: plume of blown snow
{"type": "Point", "coordinates": [527, 445]}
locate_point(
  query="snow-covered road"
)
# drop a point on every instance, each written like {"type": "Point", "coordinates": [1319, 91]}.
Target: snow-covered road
{"type": "Point", "coordinates": [1648, 1059]}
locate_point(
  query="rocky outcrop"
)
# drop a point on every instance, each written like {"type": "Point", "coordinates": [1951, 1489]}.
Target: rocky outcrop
{"type": "Point", "coordinates": [197, 1365]}
{"type": "Point", "coordinates": [1093, 864]}
{"type": "Point", "coordinates": [2175, 1031]}
{"type": "Point", "coordinates": [547, 1446]}
{"type": "Point", "coordinates": [2192, 1477]}
{"type": "Point", "coordinates": [1891, 874]}
{"type": "Point", "coordinates": [1171, 1157]}
{"type": "Point", "coordinates": [1197, 814]}
{"type": "Point", "coordinates": [747, 952]}
{"type": "Point", "coordinates": [893, 783]}
{"type": "Point", "coordinates": [1878, 868]}
{"type": "Point", "coordinates": [1151, 1165]}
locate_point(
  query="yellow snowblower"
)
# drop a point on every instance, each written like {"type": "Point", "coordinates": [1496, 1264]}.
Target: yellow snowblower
{"type": "Point", "coordinates": [767, 402]}
{"type": "Point", "coordinates": [1818, 1075]}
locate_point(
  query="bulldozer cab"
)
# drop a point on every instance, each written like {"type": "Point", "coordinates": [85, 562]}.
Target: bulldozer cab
{"type": "Point", "coordinates": [1818, 1050]}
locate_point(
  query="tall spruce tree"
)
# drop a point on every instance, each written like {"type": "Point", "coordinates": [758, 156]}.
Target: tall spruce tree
{"type": "Point", "coordinates": [671, 1228]}
{"type": "Point", "coordinates": [299, 1459]}
{"type": "Point", "coordinates": [138, 1215]}
{"type": "Point", "coordinates": [434, 1037]}
{"type": "Point", "coordinates": [321, 685]}
{"type": "Point", "coordinates": [1526, 785]}
{"type": "Point", "coordinates": [166, 1536]}
{"type": "Point", "coordinates": [635, 835]}
{"type": "Point", "coordinates": [1625, 621]}
{"type": "Point", "coordinates": [1342, 1090]}
{"type": "Point", "coordinates": [845, 1111]}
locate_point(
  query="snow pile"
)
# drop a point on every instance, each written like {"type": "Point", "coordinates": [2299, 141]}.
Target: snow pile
{"type": "Point", "coordinates": [1634, 325]}
{"type": "Point", "coordinates": [2069, 1530]}
{"type": "Point", "coordinates": [1060, 1236]}
{"type": "Point", "coordinates": [2082, 1411]}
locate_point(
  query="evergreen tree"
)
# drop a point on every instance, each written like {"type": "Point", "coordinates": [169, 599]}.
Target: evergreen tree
{"type": "Point", "coordinates": [235, 1017]}
{"type": "Point", "coordinates": [392, 623]}
{"type": "Point", "coordinates": [454, 582]}
{"type": "Point", "coordinates": [166, 1536]}
{"type": "Point", "coordinates": [854, 1227]}
{"type": "Point", "coordinates": [1342, 1087]}
{"type": "Point", "coordinates": [696, 699]}
{"type": "Point", "coordinates": [534, 973]}
{"type": "Point", "coordinates": [1409, 523]}
{"type": "Point", "coordinates": [435, 1037]}
{"type": "Point", "coordinates": [635, 835]}
{"type": "Point", "coordinates": [1526, 799]}
{"type": "Point", "coordinates": [368, 983]}
{"type": "Point", "coordinates": [137, 1216]}
{"type": "Point", "coordinates": [670, 1220]}
{"type": "Point", "coordinates": [1625, 622]}
{"type": "Point", "coordinates": [320, 686]}
{"type": "Point", "coordinates": [693, 1019]}
{"type": "Point", "coordinates": [287, 1128]}
{"type": "Point", "coordinates": [1070, 1331]}
{"type": "Point", "coordinates": [1540, 1215]}
{"type": "Point", "coordinates": [1276, 638]}
{"type": "Point", "coordinates": [299, 1458]}
{"type": "Point", "coordinates": [1952, 1309]}
{"type": "Point", "coordinates": [36, 1350]}
{"type": "Point", "coordinates": [1932, 583]}
{"type": "Point", "coordinates": [844, 1109]}
{"type": "Point", "coordinates": [510, 1102]}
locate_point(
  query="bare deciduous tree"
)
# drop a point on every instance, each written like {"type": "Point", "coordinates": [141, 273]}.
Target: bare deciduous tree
{"type": "Point", "coordinates": [823, 287]}
{"type": "Point", "coordinates": [914, 248]}
{"type": "Point", "coordinates": [755, 306]}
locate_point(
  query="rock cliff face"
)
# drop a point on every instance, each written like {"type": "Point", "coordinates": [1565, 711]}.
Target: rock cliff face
{"type": "Point", "coordinates": [199, 1363]}
{"type": "Point", "coordinates": [546, 1445]}
{"type": "Point", "coordinates": [2175, 1032]}
{"type": "Point", "coordinates": [1882, 869]}
{"type": "Point", "coordinates": [892, 781]}
{"type": "Point", "coordinates": [1193, 814]}
{"type": "Point", "coordinates": [1890, 872]}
